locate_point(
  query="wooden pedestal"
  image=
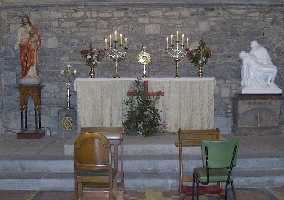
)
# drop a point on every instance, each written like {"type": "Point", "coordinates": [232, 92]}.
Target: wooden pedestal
{"type": "Point", "coordinates": [33, 91]}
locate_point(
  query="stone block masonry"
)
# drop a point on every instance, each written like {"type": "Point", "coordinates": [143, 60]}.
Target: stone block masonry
{"type": "Point", "coordinates": [69, 26]}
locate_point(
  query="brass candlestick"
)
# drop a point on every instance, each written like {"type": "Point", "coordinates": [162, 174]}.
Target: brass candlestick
{"type": "Point", "coordinates": [144, 58]}
{"type": "Point", "coordinates": [176, 49]}
{"type": "Point", "coordinates": [92, 58]}
{"type": "Point", "coordinates": [116, 49]}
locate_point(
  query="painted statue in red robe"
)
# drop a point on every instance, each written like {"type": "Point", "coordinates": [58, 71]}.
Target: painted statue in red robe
{"type": "Point", "coordinates": [29, 42]}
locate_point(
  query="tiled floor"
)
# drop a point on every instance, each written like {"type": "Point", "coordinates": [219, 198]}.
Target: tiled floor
{"type": "Point", "coordinates": [242, 194]}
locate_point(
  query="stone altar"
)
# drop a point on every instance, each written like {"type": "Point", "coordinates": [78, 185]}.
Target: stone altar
{"type": "Point", "coordinates": [187, 102]}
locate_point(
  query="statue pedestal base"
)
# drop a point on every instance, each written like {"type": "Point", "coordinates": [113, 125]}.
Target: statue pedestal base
{"type": "Point", "coordinates": [273, 89]}
{"type": "Point", "coordinates": [31, 134]}
{"type": "Point", "coordinates": [256, 114]}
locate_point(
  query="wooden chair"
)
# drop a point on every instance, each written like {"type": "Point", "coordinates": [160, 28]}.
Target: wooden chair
{"type": "Point", "coordinates": [191, 137]}
{"type": "Point", "coordinates": [92, 164]}
{"type": "Point", "coordinates": [115, 136]}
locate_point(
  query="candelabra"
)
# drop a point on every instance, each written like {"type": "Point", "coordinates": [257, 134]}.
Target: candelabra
{"type": "Point", "coordinates": [116, 48]}
{"type": "Point", "coordinates": [176, 49]}
{"type": "Point", "coordinates": [144, 58]}
{"type": "Point", "coordinates": [69, 73]}
{"type": "Point", "coordinates": [92, 58]}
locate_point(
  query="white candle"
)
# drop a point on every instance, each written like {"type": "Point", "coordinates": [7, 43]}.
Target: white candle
{"type": "Point", "coordinates": [182, 39]}
{"type": "Point", "coordinates": [115, 35]}
{"type": "Point", "coordinates": [172, 39]}
{"type": "Point", "coordinates": [120, 35]}
{"type": "Point", "coordinates": [106, 42]}
{"type": "Point", "coordinates": [177, 35]}
{"type": "Point", "coordinates": [110, 41]}
{"type": "Point", "coordinates": [187, 42]}
{"type": "Point", "coordinates": [126, 40]}
{"type": "Point", "coordinates": [167, 42]}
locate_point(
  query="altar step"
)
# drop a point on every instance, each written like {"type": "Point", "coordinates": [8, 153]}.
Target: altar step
{"type": "Point", "coordinates": [65, 181]}
{"type": "Point", "coordinates": [148, 163]}
{"type": "Point", "coordinates": [140, 172]}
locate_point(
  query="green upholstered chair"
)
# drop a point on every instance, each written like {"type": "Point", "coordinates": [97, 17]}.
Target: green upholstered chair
{"type": "Point", "coordinates": [219, 158]}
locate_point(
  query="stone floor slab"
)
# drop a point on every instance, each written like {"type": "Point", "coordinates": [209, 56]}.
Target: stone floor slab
{"type": "Point", "coordinates": [242, 194]}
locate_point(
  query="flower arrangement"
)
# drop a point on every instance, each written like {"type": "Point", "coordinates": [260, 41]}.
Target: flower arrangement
{"type": "Point", "coordinates": [142, 116]}
{"type": "Point", "coordinates": [199, 56]}
{"type": "Point", "coordinates": [92, 57]}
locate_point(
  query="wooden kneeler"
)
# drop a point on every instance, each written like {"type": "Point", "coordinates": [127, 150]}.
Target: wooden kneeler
{"type": "Point", "coordinates": [189, 138]}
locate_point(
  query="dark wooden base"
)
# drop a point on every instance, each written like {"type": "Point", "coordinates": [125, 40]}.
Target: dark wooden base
{"type": "Point", "coordinates": [30, 134]}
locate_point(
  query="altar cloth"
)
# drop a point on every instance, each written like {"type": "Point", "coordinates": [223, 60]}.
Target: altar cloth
{"type": "Point", "coordinates": [187, 102]}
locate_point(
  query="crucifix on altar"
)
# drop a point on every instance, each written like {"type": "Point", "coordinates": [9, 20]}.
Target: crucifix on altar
{"type": "Point", "coordinates": [146, 91]}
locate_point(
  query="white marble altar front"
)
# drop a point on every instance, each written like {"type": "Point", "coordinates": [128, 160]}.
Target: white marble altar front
{"type": "Point", "coordinates": [187, 102]}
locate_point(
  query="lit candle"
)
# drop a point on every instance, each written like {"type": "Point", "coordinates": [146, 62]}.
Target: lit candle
{"type": "Point", "coordinates": [115, 35]}
{"type": "Point", "coordinates": [167, 42]}
{"type": "Point", "coordinates": [172, 39]}
{"type": "Point", "coordinates": [187, 42]}
{"type": "Point", "coordinates": [120, 35]}
{"type": "Point", "coordinates": [110, 41]}
{"type": "Point", "coordinates": [126, 40]}
{"type": "Point", "coordinates": [106, 42]}
{"type": "Point", "coordinates": [177, 35]}
{"type": "Point", "coordinates": [182, 39]}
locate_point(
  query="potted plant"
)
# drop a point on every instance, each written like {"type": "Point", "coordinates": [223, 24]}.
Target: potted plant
{"type": "Point", "coordinates": [141, 116]}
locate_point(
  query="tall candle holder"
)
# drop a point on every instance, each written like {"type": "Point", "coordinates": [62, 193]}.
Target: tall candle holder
{"type": "Point", "coordinates": [176, 49]}
{"type": "Point", "coordinates": [116, 48]}
{"type": "Point", "coordinates": [67, 115]}
{"type": "Point", "coordinates": [92, 57]}
{"type": "Point", "coordinates": [69, 74]}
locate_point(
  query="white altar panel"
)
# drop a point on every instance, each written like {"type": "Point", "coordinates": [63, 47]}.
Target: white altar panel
{"type": "Point", "coordinates": [187, 102]}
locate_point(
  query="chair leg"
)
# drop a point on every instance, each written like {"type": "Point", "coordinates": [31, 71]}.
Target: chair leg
{"type": "Point", "coordinates": [80, 190]}
{"type": "Point", "coordinates": [193, 188]}
{"type": "Point", "coordinates": [76, 189]}
{"type": "Point", "coordinates": [233, 190]}
{"type": "Point", "coordinates": [197, 188]}
{"type": "Point", "coordinates": [226, 190]}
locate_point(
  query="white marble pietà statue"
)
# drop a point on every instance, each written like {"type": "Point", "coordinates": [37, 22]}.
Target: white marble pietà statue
{"type": "Point", "coordinates": [258, 72]}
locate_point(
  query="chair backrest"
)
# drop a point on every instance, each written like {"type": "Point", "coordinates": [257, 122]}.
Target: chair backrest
{"type": "Point", "coordinates": [103, 129]}
{"type": "Point", "coordinates": [220, 153]}
{"type": "Point", "coordinates": [109, 132]}
{"type": "Point", "coordinates": [194, 137]}
{"type": "Point", "coordinates": [92, 148]}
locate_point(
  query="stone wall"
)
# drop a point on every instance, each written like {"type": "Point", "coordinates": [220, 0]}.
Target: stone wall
{"type": "Point", "coordinates": [67, 27]}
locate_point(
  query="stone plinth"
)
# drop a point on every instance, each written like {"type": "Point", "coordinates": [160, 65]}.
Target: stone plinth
{"type": "Point", "coordinates": [256, 114]}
